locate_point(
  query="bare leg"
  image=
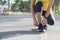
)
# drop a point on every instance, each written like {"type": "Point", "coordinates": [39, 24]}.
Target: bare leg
{"type": "Point", "coordinates": [40, 27]}
{"type": "Point", "coordinates": [38, 14]}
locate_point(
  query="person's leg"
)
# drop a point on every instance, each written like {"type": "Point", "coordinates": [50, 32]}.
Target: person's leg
{"type": "Point", "coordinates": [44, 24]}
{"type": "Point", "coordinates": [39, 14]}
{"type": "Point", "coordinates": [50, 20]}
{"type": "Point", "coordinates": [38, 11]}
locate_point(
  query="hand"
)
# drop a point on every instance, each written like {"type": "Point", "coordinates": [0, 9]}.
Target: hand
{"type": "Point", "coordinates": [35, 22]}
{"type": "Point", "coordinates": [45, 21]}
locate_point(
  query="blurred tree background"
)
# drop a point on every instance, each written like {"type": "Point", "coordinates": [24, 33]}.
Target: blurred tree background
{"type": "Point", "coordinates": [24, 6]}
{"type": "Point", "coordinates": [2, 2]}
{"type": "Point", "coordinates": [20, 5]}
{"type": "Point", "coordinates": [56, 7]}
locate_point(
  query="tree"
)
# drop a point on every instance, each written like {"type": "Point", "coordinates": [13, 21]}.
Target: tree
{"type": "Point", "coordinates": [8, 5]}
{"type": "Point", "coordinates": [21, 6]}
{"type": "Point", "coordinates": [2, 3]}
{"type": "Point", "coordinates": [56, 6]}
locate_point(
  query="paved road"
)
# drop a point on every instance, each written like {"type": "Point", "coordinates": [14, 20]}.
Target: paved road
{"type": "Point", "coordinates": [21, 28]}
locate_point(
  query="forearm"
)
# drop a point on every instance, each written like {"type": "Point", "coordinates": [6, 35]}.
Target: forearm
{"type": "Point", "coordinates": [49, 6]}
{"type": "Point", "coordinates": [32, 9]}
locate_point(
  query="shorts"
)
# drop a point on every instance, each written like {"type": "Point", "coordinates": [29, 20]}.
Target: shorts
{"type": "Point", "coordinates": [39, 6]}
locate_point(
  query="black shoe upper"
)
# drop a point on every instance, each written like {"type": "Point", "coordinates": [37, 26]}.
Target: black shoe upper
{"type": "Point", "coordinates": [40, 28]}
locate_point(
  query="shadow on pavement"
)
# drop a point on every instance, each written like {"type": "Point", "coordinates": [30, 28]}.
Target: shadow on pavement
{"type": "Point", "coordinates": [9, 34]}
